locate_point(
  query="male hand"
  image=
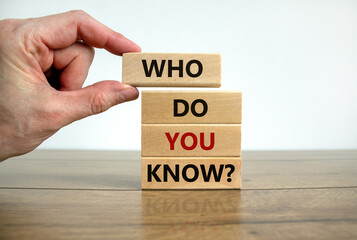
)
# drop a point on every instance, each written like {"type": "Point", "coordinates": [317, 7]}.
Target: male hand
{"type": "Point", "coordinates": [43, 65]}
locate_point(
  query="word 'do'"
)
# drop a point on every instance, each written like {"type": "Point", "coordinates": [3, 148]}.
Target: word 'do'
{"type": "Point", "coordinates": [187, 107]}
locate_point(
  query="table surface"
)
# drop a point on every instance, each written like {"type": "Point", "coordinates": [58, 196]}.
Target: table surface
{"type": "Point", "coordinates": [97, 195]}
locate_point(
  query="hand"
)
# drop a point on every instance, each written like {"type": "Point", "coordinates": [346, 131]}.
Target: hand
{"type": "Point", "coordinates": [43, 65]}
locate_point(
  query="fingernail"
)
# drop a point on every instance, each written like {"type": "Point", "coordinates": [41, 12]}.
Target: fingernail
{"type": "Point", "coordinates": [125, 86]}
{"type": "Point", "coordinates": [129, 93]}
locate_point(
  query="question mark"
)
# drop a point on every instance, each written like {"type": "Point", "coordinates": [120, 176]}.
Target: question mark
{"type": "Point", "coordinates": [232, 168]}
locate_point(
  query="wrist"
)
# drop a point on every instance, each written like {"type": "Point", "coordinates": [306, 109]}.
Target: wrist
{"type": "Point", "coordinates": [6, 146]}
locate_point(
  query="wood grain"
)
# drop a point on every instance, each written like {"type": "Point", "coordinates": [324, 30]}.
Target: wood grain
{"type": "Point", "coordinates": [226, 178]}
{"type": "Point", "coordinates": [136, 72]}
{"type": "Point", "coordinates": [223, 107]}
{"type": "Point", "coordinates": [90, 195]}
{"type": "Point", "coordinates": [214, 214]}
{"type": "Point", "coordinates": [122, 155]}
{"type": "Point", "coordinates": [179, 140]}
{"type": "Point", "coordinates": [120, 170]}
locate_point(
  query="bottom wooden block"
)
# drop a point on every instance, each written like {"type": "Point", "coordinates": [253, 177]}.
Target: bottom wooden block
{"type": "Point", "coordinates": [191, 172]}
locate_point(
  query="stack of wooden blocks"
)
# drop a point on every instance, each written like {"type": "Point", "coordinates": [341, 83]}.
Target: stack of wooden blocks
{"type": "Point", "coordinates": [190, 139]}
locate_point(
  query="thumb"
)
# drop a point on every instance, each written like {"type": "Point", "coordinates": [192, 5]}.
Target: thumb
{"type": "Point", "coordinates": [94, 99]}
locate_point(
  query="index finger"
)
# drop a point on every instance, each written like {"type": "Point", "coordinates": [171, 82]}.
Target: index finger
{"type": "Point", "coordinates": [62, 30]}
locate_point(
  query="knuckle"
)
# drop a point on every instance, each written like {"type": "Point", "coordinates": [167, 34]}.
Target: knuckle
{"type": "Point", "coordinates": [99, 103]}
{"type": "Point", "coordinates": [7, 22]}
{"type": "Point", "coordinates": [79, 12]}
{"type": "Point", "coordinates": [88, 50]}
{"type": "Point", "coordinates": [7, 27]}
{"type": "Point", "coordinates": [52, 117]}
{"type": "Point", "coordinates": [54, 121]}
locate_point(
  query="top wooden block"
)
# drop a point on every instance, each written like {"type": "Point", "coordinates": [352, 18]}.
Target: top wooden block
{"type": "Point", "coordinates": [172, 70]}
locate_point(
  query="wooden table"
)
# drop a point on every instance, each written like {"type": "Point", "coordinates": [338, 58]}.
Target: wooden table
{"type": "Point", "coordinates": [97, 195]}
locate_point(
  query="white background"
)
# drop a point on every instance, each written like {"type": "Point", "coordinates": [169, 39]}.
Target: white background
{"type": "Point", "coordinates": [294, 61]}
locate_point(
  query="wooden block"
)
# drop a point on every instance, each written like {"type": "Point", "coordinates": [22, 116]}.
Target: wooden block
{"type": "Point", "coordinates": [179, 140]}
{"type": "Point", "coordinates": [191, 107]}
{"type": "Point", "coordinates": [190, 173]}
{"type": "Point", "coordinates": [172, 70]}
